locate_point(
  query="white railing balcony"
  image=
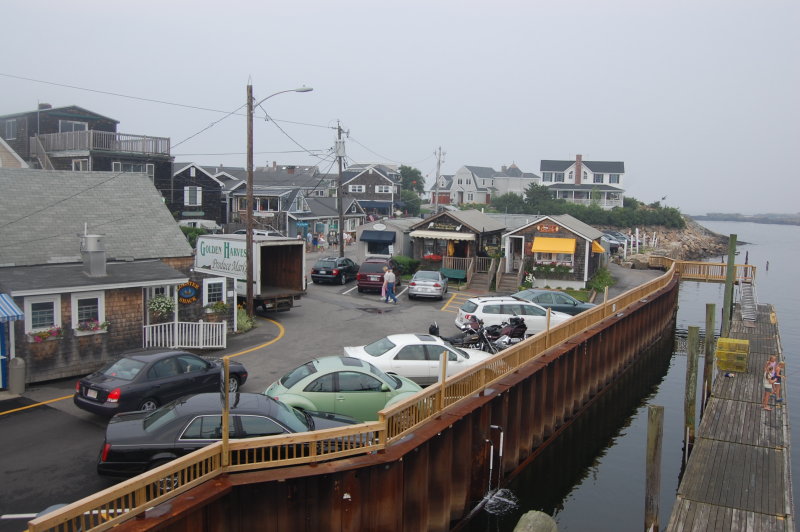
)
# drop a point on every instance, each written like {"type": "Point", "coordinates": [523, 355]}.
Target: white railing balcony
{"type": "Point", "coordinates": [103, 141]}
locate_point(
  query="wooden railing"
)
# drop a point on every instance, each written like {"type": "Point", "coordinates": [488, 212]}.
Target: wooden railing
{"type": "Point", "coordinates": [38, 151]}
{"type": "Point", "coordinates": [482, 264]}
{"type": "Point", "coordinates": [109, 507]}
{"type": "Point", "coordinates": [705, 271]}
{"type": "Point", "coordinates": [501, 271]}
{"type": "Point", "coordinates": [457, 263]}
{"type": "Point", "coordinates": [103, 140]}
{"type": "Point", "coordinates": [187, 334]}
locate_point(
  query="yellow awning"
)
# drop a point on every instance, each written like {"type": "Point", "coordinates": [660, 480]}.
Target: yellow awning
{"type": "Point", "coordinates": [542, 244]}
{"type": "Point", "coordinates": [597, 248]}
{"type": "Point", "coordinates": [441, 235]}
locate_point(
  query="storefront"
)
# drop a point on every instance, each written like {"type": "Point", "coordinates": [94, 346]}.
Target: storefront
{"type": "Point", "coordinates": [560, 251]}
{"type": "Point", "coordinates": [461, 234]}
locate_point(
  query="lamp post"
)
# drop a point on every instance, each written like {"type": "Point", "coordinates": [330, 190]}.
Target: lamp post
{"type": "Point", "coordinates": [250, 206]}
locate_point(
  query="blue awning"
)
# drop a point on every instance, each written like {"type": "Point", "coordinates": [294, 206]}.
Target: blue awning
{"type": "Point", "coordinates": [386, 237]}
{"type": "Point", "coordinates": [9, 311]}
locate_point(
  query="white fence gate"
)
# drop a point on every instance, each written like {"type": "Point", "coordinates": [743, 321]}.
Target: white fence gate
{"type": "Point", "coordinates": [187, 334]}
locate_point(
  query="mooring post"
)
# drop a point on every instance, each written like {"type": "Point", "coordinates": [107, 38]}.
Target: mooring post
{"type": "Point", "coordinates": [730, 276]}
{"type": "Point", "coordinates": [690, 404]}
{"type": "Point", "coordinates": [655, 433]}
{"type": "Point", "coordinates": [708, 366]}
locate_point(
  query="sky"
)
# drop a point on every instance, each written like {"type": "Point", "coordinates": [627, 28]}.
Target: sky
{"type": "Point", "coordinates": [698, 98]}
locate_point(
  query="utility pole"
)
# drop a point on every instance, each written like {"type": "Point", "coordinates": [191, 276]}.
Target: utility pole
{"type": "Point", "coordinates": [249, 219]}
{"type": "Point", "coordinates": [339, 190]}
{"type": "Point", "coordinates": [436, 191]}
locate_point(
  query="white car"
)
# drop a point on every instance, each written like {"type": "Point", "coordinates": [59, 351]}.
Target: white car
{"type": "Point", "coordinates": [416, 356]}
{"type": "Point", "coordinates": [497, 309]}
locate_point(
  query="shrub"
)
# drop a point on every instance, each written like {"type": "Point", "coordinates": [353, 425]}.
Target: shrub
{"type": "Point", "coordinates": [405, 265]}
{"type": "Point", "coordinates": [244, 322]}
{"type": "Point", "coordinates": [161, 305]}
{"type": "Point", "coordinates": [601, 279]}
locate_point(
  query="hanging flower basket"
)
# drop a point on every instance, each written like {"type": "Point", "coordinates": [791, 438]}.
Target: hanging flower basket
{"type": "Point", "coordinates": [91, 327]}
{"type": "Point", "coordinates": [161, 308]}
{"type": "Point", "coordinates": [432, 257]}
{"type": "Point", "coordinates": [53, 333]}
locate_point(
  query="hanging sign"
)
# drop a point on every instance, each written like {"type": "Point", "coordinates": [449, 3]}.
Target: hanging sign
{"type": "Point", "coordinates": [547, 228]}
{"type": "Point", "coordinates": [187, 292]}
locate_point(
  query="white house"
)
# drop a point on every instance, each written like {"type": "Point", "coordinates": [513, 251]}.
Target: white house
{"type": "Point", "coordinates": [585, 182]}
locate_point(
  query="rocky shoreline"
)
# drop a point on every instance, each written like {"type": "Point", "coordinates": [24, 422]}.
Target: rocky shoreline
{"type": "Point", "coordinates": [694, 242]}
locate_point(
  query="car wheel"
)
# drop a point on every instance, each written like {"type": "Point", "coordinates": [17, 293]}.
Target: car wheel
{"type": "Point", "coordinates": [233, 384]}
{"type": "Point", "coordinates": [343, 279]}
{"type": "Point", "coordinates": [148, 405]}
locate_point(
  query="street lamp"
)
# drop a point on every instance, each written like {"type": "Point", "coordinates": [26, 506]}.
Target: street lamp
{"type": "Point", "coordinates": [250, 206]}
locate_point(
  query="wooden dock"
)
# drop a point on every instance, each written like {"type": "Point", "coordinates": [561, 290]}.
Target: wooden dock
{"type": "Point", "coordinates": [738, 477]}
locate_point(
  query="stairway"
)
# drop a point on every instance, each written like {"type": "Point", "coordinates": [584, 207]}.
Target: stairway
{"type": "Point", "coordinates": [479, 282]}
{"type": "Point", "coordinates": [508, 284]}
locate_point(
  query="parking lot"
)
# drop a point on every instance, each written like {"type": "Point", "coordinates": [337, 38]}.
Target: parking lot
{"type": "Point", "coordinates": [51, 449]}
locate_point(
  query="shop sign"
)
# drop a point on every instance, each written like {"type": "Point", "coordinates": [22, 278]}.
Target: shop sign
{"type": "Point", "coordinates": [547, 228]}
{"type": "Point", "coordinates": [188, 292]}
{"type": "Point", "coordinates": [441, 226]}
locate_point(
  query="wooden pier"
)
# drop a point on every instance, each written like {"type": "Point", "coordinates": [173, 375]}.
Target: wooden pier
{"type": "Point", "coordinates": [739, 472]}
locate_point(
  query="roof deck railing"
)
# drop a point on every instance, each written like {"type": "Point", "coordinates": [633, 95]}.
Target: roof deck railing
{"type": "Point", "coordinates": [102, 141]}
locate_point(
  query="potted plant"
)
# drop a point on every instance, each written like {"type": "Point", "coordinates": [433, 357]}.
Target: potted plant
{"type": "Point", "coordinates": [47, 334]}
{"type": "Point", "coordinates": [161, 307]}
{"type": "Point", "coordinates": [91, 327]}
{"type": "Point", "coordinates": [217, 307]}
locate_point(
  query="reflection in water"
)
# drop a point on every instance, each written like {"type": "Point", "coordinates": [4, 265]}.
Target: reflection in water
{"type": "Point", "coordinates": [572, 457]}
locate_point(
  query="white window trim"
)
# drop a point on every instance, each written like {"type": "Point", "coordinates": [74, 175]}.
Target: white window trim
{"type": "Point", "coordinates": [214, 280]}
{"type": "Point", "coordinates": [11, 129]}
{"type": "Point", "coordinates": [357, 189]}
{"type": "Point", "coordinates": [80, 163]}
{"type": "Point", "coordinates": [150, 168]}
{"type": "Point", "coordinates": [55, 300]}
{"type": "Point", "coordinates": [383, 189]}
{"type": "Point", "coordinates": [186, 197]}
{"type": "Point", "coordinates": [64, 122]}
{"type": "Point", "coordinates": [101, 306]}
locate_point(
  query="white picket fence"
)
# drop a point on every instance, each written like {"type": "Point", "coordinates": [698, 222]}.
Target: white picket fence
{"type": "Point", "coordinates": [187, 334]}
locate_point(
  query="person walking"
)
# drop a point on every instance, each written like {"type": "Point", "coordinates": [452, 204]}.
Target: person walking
{"type": "Point", "coordinates": [768, 380]}
{"type": "Point", "coordinates": [322, 243]}
{"type": "Point", "coordinates": [388, 282]}
{"type": "Point", "coordinates": [308, 241]}
{"type": "Point", "coordinates": [776, 384]}
{"type": "Point", "coordinates": [314, 242]}
{"type": "Point", "coordinates": [383, 288]}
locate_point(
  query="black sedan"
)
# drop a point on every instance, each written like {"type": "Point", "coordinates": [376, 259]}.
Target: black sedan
{"type": "Point", "coordinates": [553, 299]}
{"type": "Point", "coordinates": [147, 379]}
{"type": "Point", "coordinates": [334, 270]}
{"type": "Point", "coordinates": [138, 441]}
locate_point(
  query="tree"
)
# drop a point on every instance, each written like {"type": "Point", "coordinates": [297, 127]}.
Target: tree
{"type": "Point", "coordinates": [411, 200]}
{"type": "Point", "coordinates": [510, 203]}
{"type": "Point", "coordinates": [537, 197]}
{"type": "Point", "coordinates": [412, 179]}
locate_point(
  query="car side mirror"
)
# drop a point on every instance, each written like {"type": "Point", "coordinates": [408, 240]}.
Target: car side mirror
{"type": "Point", "coordinates": [385, 387]}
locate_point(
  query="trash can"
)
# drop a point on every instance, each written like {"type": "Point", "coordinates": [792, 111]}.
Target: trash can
{"type": "Point", "coordinates": [16, 375]}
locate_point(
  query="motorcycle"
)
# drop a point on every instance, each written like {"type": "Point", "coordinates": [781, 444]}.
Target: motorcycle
{"type": "Point", "coordinates": [472, 335]}
{"type": "Point", "coordinates": [507, 333]}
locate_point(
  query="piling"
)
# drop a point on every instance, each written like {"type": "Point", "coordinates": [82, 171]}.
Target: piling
{"type": "Point", "coordinates": [655, 434]}
{"type": "Point", "coordinates": [730, 276]}
{"type": "Point", "coordinates": [691, 389]}
{"type": "Point", "coordinates": [708, 366]}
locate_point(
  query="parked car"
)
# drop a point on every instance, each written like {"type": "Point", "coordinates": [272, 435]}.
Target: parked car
{"type": "Point", "coordinates": [344, 385]}
{"type": "Point", "coordinates": [259, 232]}
{"type": "Point", "coordinates": [148, 378]}
{"type": "Point", "coordinates": [334, 270]}
{"type": "Point", "coordinates": [427, 283]}
{"type": "Point", "coordinates": [497, 309]}
{"type": "Point", "coordinates": [138, 441]}
{"type": "Point", "coordinates": [370, 274]}
{"type": "Point", "coordinates": [416, 356]}
{"type": "Point", "coordinates": [555, 300]}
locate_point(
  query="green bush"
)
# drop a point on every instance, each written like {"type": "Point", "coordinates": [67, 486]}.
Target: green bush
{"type": "Point", "coordinates": [601, 279]}
{"type": "Point", "coordinates": [191, 234]}
{"type": "Point", "coordinates": [405, 265]}
{"type": "Point", "coordinates": [243, 321]}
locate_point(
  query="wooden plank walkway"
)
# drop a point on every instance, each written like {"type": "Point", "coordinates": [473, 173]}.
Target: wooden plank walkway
{"type": "Point", "coordinates": [739, 473]}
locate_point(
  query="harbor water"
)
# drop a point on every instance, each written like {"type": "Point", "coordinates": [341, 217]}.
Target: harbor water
{"type": "Point", "coordinates": [593, 476]}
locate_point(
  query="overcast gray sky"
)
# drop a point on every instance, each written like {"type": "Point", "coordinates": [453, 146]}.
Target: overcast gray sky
{"type": "Point", "coordinates": [698, 98]}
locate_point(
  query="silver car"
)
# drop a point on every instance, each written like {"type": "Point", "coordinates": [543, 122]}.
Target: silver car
{"type": "Point", "coordinates": [427, 283]}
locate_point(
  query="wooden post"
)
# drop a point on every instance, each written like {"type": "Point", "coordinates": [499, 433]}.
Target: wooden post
{"type": "Point", "coordinates": [442, 378]}
{"type": "Point", "coordinates": [708, 367]}
{"type": "Point", "coordinates": [691, 389]}
{"type": "Point", "coordinates": [730, 276]}
{"type": "Point", "coordinates": [655, 433]}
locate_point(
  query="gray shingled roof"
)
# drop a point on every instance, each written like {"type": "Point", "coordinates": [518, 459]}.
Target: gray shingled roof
{"type": "Point", "coordinates": [484, 172]}
{"type": "Point", "coordinates": [42, 212]}
{"type": "Point", "coordinates": [605, 167]}
{"type": "Point", "coordinates": [565, 220]}
{"type": "Point", "coordinates": [589, 187]}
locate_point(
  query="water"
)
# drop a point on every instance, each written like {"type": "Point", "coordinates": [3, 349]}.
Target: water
{"type": "Point", "coordinates": [593, 478]}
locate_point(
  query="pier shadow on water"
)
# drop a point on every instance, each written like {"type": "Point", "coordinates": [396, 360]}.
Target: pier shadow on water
{"type": "Point", "coordinates": [569, 459]}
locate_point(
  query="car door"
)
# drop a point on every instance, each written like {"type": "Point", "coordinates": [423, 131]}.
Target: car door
{"type": "Point", "coordinates": [359, 395]}
{"type": "Point", "coordinates": [166, 381]}
{"type": "Point", "coordinates": [322, 392]}
{"type": "Point", "coordinates": [493, 314]}
{"type": "Point", "coordinates": [201, 431]}
{"type": "Point", "coordinates": [564, 303]}
{"type": "Point", "coordinates": [545, 299]}
{"type": "Point", "coordinates": [535, 317]}
{"type": "Point", "coordinates": [455, 362]}
{"type": "Point", "coordinates": [412, 362]}
{"type": "Point", "coordinates": [201, 375]}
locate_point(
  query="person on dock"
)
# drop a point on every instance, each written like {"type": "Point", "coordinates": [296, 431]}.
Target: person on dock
{"type": "Point", "coordinates": [776, 384]}
{"type": "Point", "coordinates": [768, 380]}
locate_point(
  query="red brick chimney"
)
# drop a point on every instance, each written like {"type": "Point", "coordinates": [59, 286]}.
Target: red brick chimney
{"type": "Point", "coordinates": [578, 169]}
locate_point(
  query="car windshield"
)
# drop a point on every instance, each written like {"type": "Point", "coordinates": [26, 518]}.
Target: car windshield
{"type": "Point", "coordinates": [291, 417]}
{"type": "Point", "coordinates": [325, 264]}
{"type": "Point", "coordinates": [297, 374]}
{"type": "Point", "coordinates": [372, 267]}
{"type": "Point", "coordinates": [426, 276]}
{"type": "Point", "coordinates": [162, 416]}
{"type": "Point", "coordinates": [124, 368]}
{"type": "Point", "coordinates": [378, 348]}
